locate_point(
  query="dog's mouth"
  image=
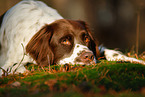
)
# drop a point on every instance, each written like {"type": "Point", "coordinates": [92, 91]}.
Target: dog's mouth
{"type": "Point", "coordinates": [86, 62]}
{"type": "Point", "coordinates": [84, 58]}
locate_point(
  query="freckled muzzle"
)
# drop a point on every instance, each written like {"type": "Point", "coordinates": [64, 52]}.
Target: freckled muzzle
{"type": "Point", "coordinates": [81, 55]}
{"type": "Point", "coordinates": [85, 57]}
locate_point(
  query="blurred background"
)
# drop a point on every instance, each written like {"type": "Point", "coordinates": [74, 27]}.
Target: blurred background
{"type": "Point", "coordinates": [114, 23]}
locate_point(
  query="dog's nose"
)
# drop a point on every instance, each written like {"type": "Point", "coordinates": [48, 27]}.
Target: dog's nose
{"type": "Point", "coordinates": [85, 57]}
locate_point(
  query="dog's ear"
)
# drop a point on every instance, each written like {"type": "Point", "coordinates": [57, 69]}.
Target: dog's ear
{"type": "Point", "coordinates": [93, 45]}
{"type": "Point", "coordinates": [38, 47]}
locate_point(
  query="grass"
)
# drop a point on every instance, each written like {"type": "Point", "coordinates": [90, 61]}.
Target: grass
{"type": "Point", "coordinates": [107, 79]}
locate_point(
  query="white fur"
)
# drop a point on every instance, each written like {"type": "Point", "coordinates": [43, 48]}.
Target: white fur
{"type": "Point", "coordinates": [112, 55]}
{"type": "Point", "coordinates": [20, 23]}
{"type": "Point", "coordinates": [77, 50]}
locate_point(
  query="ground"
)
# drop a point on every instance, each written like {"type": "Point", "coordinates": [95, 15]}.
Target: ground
{"type": "Point", "coordinates": [102, 79]}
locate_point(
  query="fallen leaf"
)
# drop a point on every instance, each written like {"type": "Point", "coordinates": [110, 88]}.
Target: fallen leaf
{"type": "Point", "coordinates": [51, 83]}
{"type": "Point", "coordinates": [16, 84]}
{"type": "Point", "coordinates": [143, 90]}
{"type": "Point", "coordinates": [102, 88]}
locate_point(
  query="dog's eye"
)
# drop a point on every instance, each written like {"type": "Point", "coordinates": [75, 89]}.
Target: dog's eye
{"type": "Point", "coordinates": [66, 42]}
{"type": "Point", "coordinates": [87, 39]}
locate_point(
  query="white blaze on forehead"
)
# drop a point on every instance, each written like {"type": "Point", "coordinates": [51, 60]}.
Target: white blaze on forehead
{"type": "Point", "coordinates": [76, 51]}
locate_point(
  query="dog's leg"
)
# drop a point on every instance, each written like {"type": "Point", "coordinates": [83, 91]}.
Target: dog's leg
{"type": "Point", "coordinates": [113, 55]}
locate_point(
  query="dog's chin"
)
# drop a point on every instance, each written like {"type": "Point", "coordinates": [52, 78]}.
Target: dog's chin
{"type": "Point", "coordinates": [77, 63]}
{"type": "Point", "coordinates": [71, 62]}
{"type": "Point", "coordinates": [85, 64]}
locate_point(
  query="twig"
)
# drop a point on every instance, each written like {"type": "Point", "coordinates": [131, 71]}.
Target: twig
{"type": "Point", "coordinates": [8, 71]}
{"type": "Point", "coordinates": [21, 59]}
{"type": "Point", "coordinates": [5, 72]}
{"type": "Point", "coordinates": [137, 31]}
{"type": "Point", "coordinates": [50, 70]}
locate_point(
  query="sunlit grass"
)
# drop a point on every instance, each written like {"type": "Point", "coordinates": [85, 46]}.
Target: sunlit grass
{"type": "Point", "coordinates": [104, 78]}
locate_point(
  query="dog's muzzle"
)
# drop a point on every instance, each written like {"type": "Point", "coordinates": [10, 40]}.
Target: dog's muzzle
{"type": "Point", "coordinates": [81, 55]}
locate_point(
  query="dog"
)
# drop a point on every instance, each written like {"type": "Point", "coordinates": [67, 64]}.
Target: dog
{"type": "Point", "coordinates": [33, 29]}
{"type": "Point", "coordinates": [32, 32]}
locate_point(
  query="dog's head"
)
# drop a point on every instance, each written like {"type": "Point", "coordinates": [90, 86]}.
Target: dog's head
{"type": "Point", "coordinates": [63, 41]}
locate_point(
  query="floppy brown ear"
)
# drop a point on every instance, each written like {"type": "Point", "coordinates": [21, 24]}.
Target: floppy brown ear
{"type": "Point", "coordinates": [38, 47]}
{"type": "Point", "coordinates": [93, 43]}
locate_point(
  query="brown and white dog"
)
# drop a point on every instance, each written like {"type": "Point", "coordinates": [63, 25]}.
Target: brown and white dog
{"type": "Point", "coordinates": [33, 29]}
{"type": "Point", "coordinates": [47, 38]}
